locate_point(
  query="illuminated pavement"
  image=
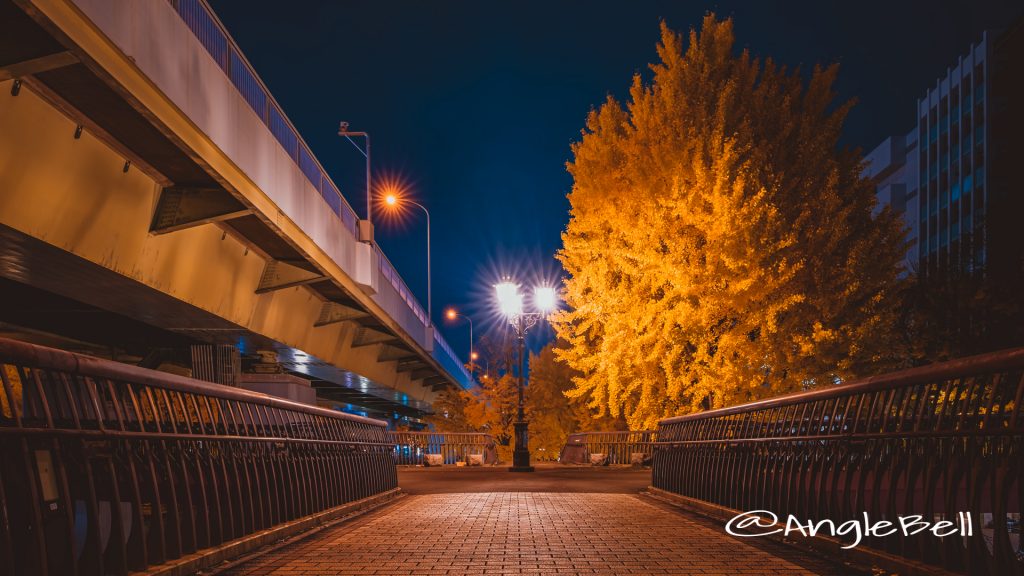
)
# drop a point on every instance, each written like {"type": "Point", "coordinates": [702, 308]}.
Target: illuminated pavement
{"type": "Point", "coordinates": [506, 532]}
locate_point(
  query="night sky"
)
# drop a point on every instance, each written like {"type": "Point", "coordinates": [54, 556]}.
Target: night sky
{"type": "Point", "coordinates": [473, 104]}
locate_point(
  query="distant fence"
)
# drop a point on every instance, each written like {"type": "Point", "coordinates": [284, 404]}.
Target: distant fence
{"type": "Point", "coordinates": [411, 448]}
{"type": "Point", "coordinates": [617, 446]}
{"type": "Point", "coordinates": [933, 441]}
{"type": "Point", "coordinates": [107, 468]}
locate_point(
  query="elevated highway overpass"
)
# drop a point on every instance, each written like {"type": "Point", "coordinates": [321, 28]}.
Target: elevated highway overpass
{"type": "Point", "coordinates": [155, 197]}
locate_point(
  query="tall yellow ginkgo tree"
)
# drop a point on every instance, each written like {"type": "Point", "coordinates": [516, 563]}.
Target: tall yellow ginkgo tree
{"type": "Point", "coordinates": [721, 245]}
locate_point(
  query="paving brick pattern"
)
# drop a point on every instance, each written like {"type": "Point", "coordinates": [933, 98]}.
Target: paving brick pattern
{"type": "Point", "coordinates": [531, 533]}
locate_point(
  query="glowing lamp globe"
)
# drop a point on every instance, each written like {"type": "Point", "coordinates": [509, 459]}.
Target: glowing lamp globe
{"type": "Point", "coordinates": [545, 298]}
{"type": "Point", "coordinates": [509, 299]}
{"type": "Point", "coordinates": [391, 199]}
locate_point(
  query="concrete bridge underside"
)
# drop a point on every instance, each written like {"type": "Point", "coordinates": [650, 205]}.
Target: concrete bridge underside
{"type": "Point", "coordinates": [112, 198]}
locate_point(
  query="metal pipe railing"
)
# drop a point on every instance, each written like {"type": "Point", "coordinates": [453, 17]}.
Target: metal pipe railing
{"type": "Point", "coordinates": [932, 441]}
{"type": "Point", "coordinates": [109, 468]}
{"type": "Point", "coordinates": [618, 446]}
{"type": "Point", "coordinates": [411, 448]}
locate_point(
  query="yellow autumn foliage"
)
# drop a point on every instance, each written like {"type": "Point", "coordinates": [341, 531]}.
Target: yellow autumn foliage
{"type": "Point", "coordinates": [721, 247]}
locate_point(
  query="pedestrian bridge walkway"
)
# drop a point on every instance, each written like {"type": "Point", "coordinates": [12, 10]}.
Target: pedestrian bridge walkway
{"type": "Point", "coordinates": [505, 531]}
{"type": "Point", "coordinates": [107, 468]}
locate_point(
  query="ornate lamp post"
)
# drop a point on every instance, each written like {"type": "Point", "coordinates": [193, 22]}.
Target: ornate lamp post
{"type": "Point", "coordinates": [511, 302]}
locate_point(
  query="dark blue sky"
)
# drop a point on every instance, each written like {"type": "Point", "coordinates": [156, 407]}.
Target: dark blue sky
{"type": "Point", "coordinates": [475, 103]}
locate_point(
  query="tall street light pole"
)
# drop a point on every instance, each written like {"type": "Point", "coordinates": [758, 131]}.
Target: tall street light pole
{"type": "Point", "coordinates": [511, 302]}
{"type": "Point", "coordinates": [452, 314]}
{"type": "Point", "coordinates": [393, 200]}
{"type": "Point", "coordinates": [348, 134]}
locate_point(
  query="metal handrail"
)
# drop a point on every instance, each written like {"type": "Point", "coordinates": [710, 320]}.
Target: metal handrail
{"type": "Point", "coordinates": [983, 363]}
{"type": "Point", "coordinates": [617, 445]}
{"type": "Point", "coordinates": [933, 441]}
{"type": "Point", "coordinates": [401, 287]}
{"type": "Point", "coordinates": [451, 354]}
{"type": "Point", "coordinates": [411, 448]}
{"type": "Point", "coordinates": [109, 468]}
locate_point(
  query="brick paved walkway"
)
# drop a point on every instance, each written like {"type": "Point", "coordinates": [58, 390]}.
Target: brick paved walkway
{"type": "Point", "coordinates": [531, 533]}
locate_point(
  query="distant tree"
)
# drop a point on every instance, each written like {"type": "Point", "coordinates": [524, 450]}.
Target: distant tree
{"type": "Point", "coordinates": [952, 312]}
{"type": "Point", "coordinates": [450, 411]}
{"type": "Point", "coordinates": [552, 414]}
{"type": "Point", "coordinates": [493, 408]}
{"type": "Point", "coordinates": [721, 247]}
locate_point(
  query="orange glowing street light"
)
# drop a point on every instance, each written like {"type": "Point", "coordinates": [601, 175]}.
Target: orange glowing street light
{"type": "Point", "coordinates": [452, 314]}
{"type": "Point", "coordinates": [394, 201]}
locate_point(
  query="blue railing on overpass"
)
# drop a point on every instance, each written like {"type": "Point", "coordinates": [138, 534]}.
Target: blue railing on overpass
{"type": "Point", "coordinates": [211, 34]}
{"type": "Point", "coordinates": [208, 29]}
{"type": "Point", "coordinates": [449, 360]}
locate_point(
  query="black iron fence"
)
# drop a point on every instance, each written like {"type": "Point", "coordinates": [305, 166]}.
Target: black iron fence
{"type": "Point", "coordinates": [933, 441]}
{"type": "Point", "coordinates": [413, 448]}
{"type": "Point", "coordinates": [107, 468]}
{"type": "Point", "coordinates": [623, 447]}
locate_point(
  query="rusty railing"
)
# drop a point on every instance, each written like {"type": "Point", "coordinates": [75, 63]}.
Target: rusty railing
{"type": "Point", "coordinates": [411, 448]}
{"type": "Point", "coordinates": [931, 441]}
{"type": "Point", "coordinates": [618, 446]}
{"type": "Point", "coordinates": [107, 468]}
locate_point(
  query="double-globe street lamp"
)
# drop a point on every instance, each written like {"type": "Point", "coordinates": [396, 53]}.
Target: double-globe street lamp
{"type": "Point", "coordinates": [511, 302]}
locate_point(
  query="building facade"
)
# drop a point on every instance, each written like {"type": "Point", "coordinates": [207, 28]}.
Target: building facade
{"type": "Point", "coordinates": [953, 175]}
